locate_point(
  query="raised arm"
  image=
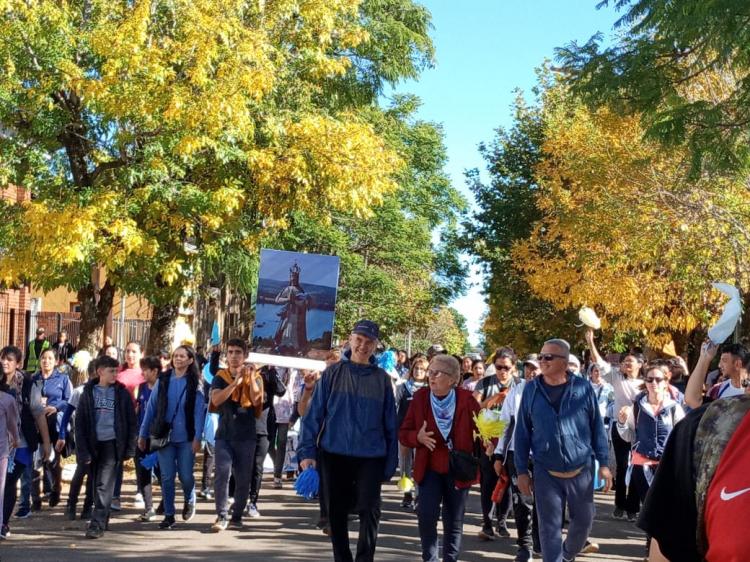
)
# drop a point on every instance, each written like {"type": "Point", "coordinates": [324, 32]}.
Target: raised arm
{"type": "Point", "coordinates": [694, 388]}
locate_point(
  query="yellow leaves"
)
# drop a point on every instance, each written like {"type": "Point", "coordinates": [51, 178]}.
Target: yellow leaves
{"type": "Point", "coordinates": [322, 163]}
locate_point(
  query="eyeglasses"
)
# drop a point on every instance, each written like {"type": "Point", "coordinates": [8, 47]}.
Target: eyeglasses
{"type": "Point", "coordinates": [655, 379]}
{"type": "Point", "coordinates": [502, 368]}
{"type": "Point", "coordinates": [550, 356]}
{"type": "Point", "coordinates": [431, 373]}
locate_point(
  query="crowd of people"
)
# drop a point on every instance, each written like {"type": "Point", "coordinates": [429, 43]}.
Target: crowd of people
{"type": "Point", "coordinates": [662, 440]}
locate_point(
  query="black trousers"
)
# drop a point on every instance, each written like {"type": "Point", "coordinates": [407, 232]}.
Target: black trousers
{"type": "Point", "coordinates": [144, 479]}
{"type": "Point", "coordinates": [278, 448]}
{"type": "Point", "coordinates": [626, 498]}
{"type": "Point", "coordinates": [105, 473]}
{"type": "Point", "coordinates": [523, 510]}
{"type": "Point", "coordinates": [82, 471]}
{"type": "Point", "coordinates": [352, 483]}
{"type": "Point", "coordinates": [639, 483]}
{"type": "Point", "coordinates": [261, 450]}
{"type": "Point", "coordinates": [487, 482]}
{"type": "Point", "coordinates": [11, 490]}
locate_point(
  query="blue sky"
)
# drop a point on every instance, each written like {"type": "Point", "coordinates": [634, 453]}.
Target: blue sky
{"type": "Point", "coordinates": [485, 49]}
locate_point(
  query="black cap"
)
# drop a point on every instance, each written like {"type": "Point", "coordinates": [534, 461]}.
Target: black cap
{"type": "Point", "coordinates": [367, 328]}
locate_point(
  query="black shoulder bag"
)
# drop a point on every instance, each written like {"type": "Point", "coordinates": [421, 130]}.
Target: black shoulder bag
{"type": "Point", "coordinates": [461, 465]}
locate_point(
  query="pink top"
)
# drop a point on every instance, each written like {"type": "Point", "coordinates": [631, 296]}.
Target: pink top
{"type": "Point", "coordinates": [132, 379]}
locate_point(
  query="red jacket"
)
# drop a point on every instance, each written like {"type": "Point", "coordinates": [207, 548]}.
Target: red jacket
{"type": "Point", "coordinates": [462, 434]}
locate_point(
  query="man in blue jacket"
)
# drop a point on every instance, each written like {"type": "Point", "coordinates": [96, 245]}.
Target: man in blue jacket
{"type": "Point", "coordinates": [350, 432]}
{"type": "Point", "coordinates": [560, 424]}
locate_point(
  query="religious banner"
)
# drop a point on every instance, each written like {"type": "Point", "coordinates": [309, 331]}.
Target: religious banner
{"type": "Point", "coordinates": [294, 309]}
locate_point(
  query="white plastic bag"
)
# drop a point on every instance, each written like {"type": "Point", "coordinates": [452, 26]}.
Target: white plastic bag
{"type": "Point", "coordinates": [724, 327]}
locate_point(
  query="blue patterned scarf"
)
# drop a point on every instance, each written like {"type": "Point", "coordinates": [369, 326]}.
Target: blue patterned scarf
{"type": "Point", "coordinates": [443, 411]}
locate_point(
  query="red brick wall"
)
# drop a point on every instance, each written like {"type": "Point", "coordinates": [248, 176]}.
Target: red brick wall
{"type": "Point", "coordinates": [14, 299]}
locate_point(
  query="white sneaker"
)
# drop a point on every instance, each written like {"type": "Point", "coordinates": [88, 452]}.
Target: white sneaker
{"type": "Point", "coordinates": [252, 510]}
{"type": "Point", "coordinates": [139, 503]}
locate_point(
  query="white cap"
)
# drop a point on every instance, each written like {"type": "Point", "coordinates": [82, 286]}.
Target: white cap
{"type": "Point", "coordinates": [572, 359]}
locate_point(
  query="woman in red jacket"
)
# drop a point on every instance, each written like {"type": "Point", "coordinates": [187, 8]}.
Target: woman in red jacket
{"type": "Point", "coordinates": [440, 416]}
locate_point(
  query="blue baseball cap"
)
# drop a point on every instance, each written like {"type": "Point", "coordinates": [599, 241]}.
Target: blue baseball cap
{"type": "Point", "coordinates": [367, 328]}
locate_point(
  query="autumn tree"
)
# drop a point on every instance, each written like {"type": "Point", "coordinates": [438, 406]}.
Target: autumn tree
{"type": "Point", "coordinates": [624, 231]}
{"type": "Point", "coordinates": [156, 135]}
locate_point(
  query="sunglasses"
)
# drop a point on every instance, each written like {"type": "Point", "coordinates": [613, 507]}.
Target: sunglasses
{"type": "Point", "coordinates": [502, 368]}
{"type": "Point", "coordinates": [550, 356]}
{"type": "Point", "coordinates": [655, 379]}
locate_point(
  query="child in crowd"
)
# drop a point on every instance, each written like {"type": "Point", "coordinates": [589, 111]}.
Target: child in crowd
{"type": "Point", "coordinates": [150, 368]}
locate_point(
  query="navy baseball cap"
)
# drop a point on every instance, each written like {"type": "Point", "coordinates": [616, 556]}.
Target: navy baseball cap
{"type": "Point", "coordinates": [367, 328]}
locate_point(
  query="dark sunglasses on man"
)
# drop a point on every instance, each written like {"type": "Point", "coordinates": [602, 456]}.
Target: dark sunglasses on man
{"type": "Point", "coordinates": [550, 357]}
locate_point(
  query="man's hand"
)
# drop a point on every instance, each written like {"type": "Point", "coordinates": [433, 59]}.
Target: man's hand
{"type": "Point", "coordinates": [524, 484]}
{"type": "Point", "coordinates": [425, 437]}
{"type": "Point", "coordinates": [59, 445]}
{"type": "Point", "coordinates": [489, 448]}
{"type": "Point", "coordinates": [142, 444]}
{"type": "Point", "coordinates": [606, 475]}
{"type": "Point", "coordinates": [196, 446]}
{"type": "Point", "coordinates": [498, 467]}
{"type": "Point", "coordinates": [709, 349]}
{"type": "Point", "coordinates": [589, 336]}
{"type": "Point", "coordinates": [306, 463]}
{"type": "Point", "coordinates": [50, 410]}
{"type": "Point", "coordinates": [622, 415]}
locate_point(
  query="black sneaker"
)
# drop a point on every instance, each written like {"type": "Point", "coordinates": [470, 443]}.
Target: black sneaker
{"type": "Point", "coordinates": [36, 505]}
{"type": "Point", "coordinates": [168, 522]}
{"type": "Point", "coordinates": [23, 513]}
{"type": "Point", "coordinates": [160, 508]}
{"type": "Point", "coordinates": [188, 511]}
{"type": "Point", "coordinates": [220, 524]}
{"type": "Point", "coordinates": [4, 532]}
{"type": "Point", "coordinates": [408, 502]}
{"type": "Point", "coordinates": [235, 523]}
{"type": "Point", "coordinates": [632, 516]}
{"type": "Point", "coordinates": [54, 499]}
{"type": "Point", "coordinates": [502, 530]}
{"type": "Point", "coordinates": [487, 534]}
{"type": "Point", "coordinates": [618, 513]}
{"type": "Point", "coordinates": [94, 532]}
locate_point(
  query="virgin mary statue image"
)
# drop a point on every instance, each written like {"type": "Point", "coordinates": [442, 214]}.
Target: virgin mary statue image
{"type": "Point", "coordinates": [292, 330]}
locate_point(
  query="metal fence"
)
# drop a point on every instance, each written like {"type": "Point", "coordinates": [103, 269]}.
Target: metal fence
{"type": "Point", "coordinates": [130, 330]}
{"type": "Point", "coordinates": [18, 326]}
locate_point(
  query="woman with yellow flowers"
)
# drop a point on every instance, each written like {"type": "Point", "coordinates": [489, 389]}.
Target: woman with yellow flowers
{"type": "Point", "coordinates": [440, 426]}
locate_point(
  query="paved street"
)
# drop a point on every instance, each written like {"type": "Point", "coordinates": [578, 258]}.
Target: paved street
{"type": "Point", "coordinates": [284, 532]}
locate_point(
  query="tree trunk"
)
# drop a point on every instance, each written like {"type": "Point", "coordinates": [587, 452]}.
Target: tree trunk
{"type": "Point", "coordinates": [161, 330]}
{"type": "Point", "coordinates": [95, 308]}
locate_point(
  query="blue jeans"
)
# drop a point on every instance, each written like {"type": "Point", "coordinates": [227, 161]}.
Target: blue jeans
{"type": "Point", "coordinates": [551, 495]}
{"type": "Point", "coordinates": [436, 491]}
{"type": "Point", "coordinates": [177, 459]}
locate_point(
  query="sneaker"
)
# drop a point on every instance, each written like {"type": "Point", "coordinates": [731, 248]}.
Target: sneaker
{"type": "Point", "coordinates": [4, 532]}
{"type": "Point", "coordinates": [487, 534]}
{"type": "Point", "coordinates": [632, 516]}
{"type": "Point", "coordinates": [54, 499]}
{"type": "Point", "coordinates": [94, 532]}
{"type": "Point", "coordinates": [139, 503]}
{"type": "Point", "coordinates": [209, 495]}
{"type": "Point", "coordinates": [115, 504]}
{"type": "Point", "coordinates": [220, 524]}
{"type": "Point", "coordinates": [524, 555]}
{"type": "Point", "coordinates": [146, 516]}
{"type": "Point", "coordinates": [408, 502]}
{"type": "Point", "coordinates": [36, 505]}
{"type": "Point", "coordinates": [252, 510]}
{"type": "Point", "coordinates": [235, 523]}
{"type": "Point", "coordinates": [618, 513]}
{"type": "Point", "coordinates": [502, 530]}
{"type": "Point", "coordinates": [188, 511]}
{"type": "Point", "coordinates": [160, 508]}
{"type": "Point", "coordinates": [23, 513]}
{"type": "Point", "coordinates": [590, 548]}
{"type": "Point", "coordinates": [167, 523]}
{"type": "Point", "coordinates": [277, 485]}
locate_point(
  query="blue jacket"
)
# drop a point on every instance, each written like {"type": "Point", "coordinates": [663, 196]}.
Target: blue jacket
{"type": "Point", "coordinates": [561, 441]}
{"type": "Point", "coordinates": [352, 413]}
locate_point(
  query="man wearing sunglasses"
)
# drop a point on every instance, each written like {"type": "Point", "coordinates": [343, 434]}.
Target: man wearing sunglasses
{"type": "Point", "coordinates": [560, 424]}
